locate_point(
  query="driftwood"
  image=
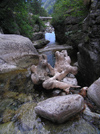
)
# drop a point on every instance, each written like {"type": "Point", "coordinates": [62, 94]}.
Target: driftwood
{"type": "Point", "coordinates": [52, 77]}
{"type": "Point", "coordinates": [41, 72]}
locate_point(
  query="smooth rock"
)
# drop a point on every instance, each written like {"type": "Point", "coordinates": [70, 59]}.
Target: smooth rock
{"type": "Point", "coordinates": [70, 80]}
{"type": "Point", "coordinates": [60, 108]}
{"type": "Point", "coordinates": [93, 92]}
{"type": "Point", "coordinates": [56, 92]}
{"type": "Point", "coordinates": [16, 51]}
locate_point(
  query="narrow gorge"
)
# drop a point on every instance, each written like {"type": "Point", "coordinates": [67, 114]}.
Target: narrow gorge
{"type": "Point", "coordinates": [50, 83]}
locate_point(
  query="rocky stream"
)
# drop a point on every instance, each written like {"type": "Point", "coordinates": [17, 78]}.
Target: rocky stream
{"type": "Point", "coordinates": [19, 98]}
{"type": "Point", "coordinates": [40, 92]}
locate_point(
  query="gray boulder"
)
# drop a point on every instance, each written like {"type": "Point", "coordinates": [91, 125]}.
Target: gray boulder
{"type": "Point", "coordinates": [16, 51]}
{"type": "Point", "coordinates": [37, 36]}
{"type": "Point", "coordinates": [61, 108]}
{"type": "Point", "coordinates": [93, 92]}
{"type": "Point", "coordinates": [40, 43]}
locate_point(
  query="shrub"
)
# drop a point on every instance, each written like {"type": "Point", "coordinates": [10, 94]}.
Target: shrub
{"type": "Point", "coordinates": [64, 8]}
{"type": "Point", "coordinates": [15, 18]}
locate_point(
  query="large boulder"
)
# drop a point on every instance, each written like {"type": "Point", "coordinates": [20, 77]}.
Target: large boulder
{"type": "Point", "coordinates": [61, 108]}
{"type": "Point", "coordinates": [16, 51]}
{"type": "Point", "coordinates": [93, 92]}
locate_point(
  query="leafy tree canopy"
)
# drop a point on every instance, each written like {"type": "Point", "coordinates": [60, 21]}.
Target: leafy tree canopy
{"type": "Point", "coordinates": [48, 5]}
{"type": "Point", "coordinates": [15, 16]}
{"type": "Point", "coordinates": [64, 8]}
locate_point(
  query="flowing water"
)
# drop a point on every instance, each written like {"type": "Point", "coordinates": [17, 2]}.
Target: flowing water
{"type": "Point", "coordinates": [50, 54]}
{"type": "Point", "coordinates": [18, 97]}
{"type": "Point", "coordinates": [51, 38]}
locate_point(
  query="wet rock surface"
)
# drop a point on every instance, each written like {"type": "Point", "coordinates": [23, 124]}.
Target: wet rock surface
{"type": "Point", "coordinates": [8, 128]}
{"type": "Point", "coordinates": [61, 108]}
{"type": "Point", "coordinates": [92, 117]}
{"type": "Point", "coordinates": [8, 115]}
{"type": "Point", "coordinates": [17, 81]}
{"type": "Point", "coordinates": [18, 116]}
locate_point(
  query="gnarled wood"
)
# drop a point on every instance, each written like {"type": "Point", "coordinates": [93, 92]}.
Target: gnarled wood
{"type": "Point", "coordinates": [52, 77]}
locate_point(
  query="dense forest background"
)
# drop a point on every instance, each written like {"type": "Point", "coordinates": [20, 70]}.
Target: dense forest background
{"type": "Point", "coordinates": [48, 5]}
{"type": "Point", "coordinates": [20, 16]}
{"type": "Point", "coordinates": [65, 8]}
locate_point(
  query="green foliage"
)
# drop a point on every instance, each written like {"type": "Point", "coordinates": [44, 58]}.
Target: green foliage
{"type": "Point", "coordinates": [37, 9]}
{"type": "Point", "coordinates": [6, 18]}
{"type": "Point", "coordinates": [48, 5]}
{"type": "Point", "coordinates": [66, 8]}
{"type": "Point", "coordinates": [22, 20]}
{"type": "Point", "coordinates": [15, 17]}
{"type": "Point", "coordinates": [57, 20]}
{"type": "Point", "coordinates": [67, 20]}
{"type": "Point", "coordinates": [36, 20]}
